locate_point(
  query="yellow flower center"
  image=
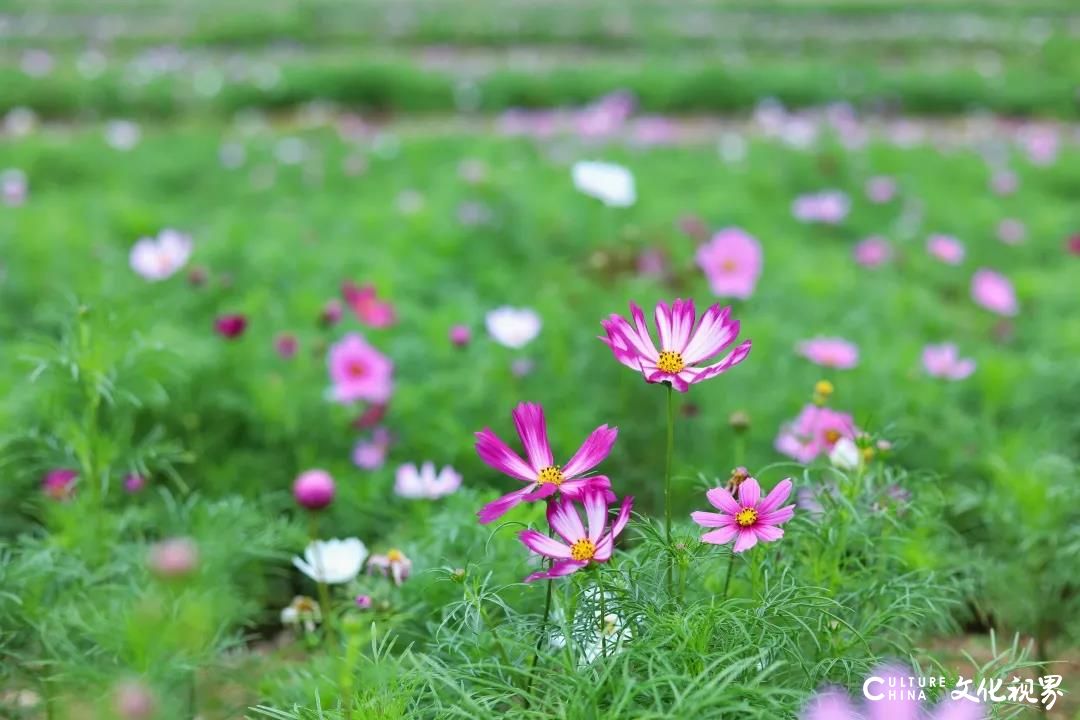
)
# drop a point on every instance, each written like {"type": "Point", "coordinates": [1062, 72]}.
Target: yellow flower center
{"type": "Point", "coordinates": [583, 549]}
{"type": "Point", "coordinates": [670, 362]}
{"type": "Point", "coordinates": [746, 517]}
{"type": "Point", "coordinates": [551, 475]}
{"type": "Point", "coordinates": [395, 556]}
{"type": "Point", "coordinates": [831, 436]}
{"type": "Point", "coordinates": [728, 265]}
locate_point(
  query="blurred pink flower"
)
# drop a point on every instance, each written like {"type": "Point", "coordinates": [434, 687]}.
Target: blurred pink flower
{"type": "Point", "coordinates": [944, 361]}
{"type": "Point", "coordinates": [363, 602]}
{"type": "Point", "coordinates": [732, 262]}
{"type": "Point", "coordinates": [829, 207]}
{"type": "Point", "coordinates": [424, 482]}
{"type": "Point", "coordinates": [1040, 143]}
{"type": "Point", "coordinates": [367, 306]}
{"type": "Point", "coordinates": [1011, 231]}
{"type": "Point", "coordinates": [873, 252]}
{"type": "Point", "coordinates": [880, 189]}
{"type": "Point", "coordinates": [359, 371]}
{"type": "Point", "coordinates": [314, 489]}
{"type": "Point", "coordinates": [993, 291]}
{"type": "Point", "coordinates": [830, 352]}
{"type": "Point", "coordinates": [945, 248]}
{"type": "Point", "coordinates": [13, 187]}
{"type": "Point", "coordinates": [1004, 182]}
{"type": "Point", "coordinates": [173, 558]}
{"type": "Point", "coordinates": [134, 482]}
{"type": "Point", "coordinates": [652, 263]}
{"type": "Point", "coordinates": [230, 326]}
{"type": "Point", "coordinates": [749, 519]}
{"type": "Point", "coordinates": [59, 484]}
{"type": "Point", "coordinates": [1072, 245]}
{"type": "Point", "coordinates": [815, 431]}
{"type": "Point", "coordinates": [652, 130]}
{"type": "Point", "coordinates": [460, 335]}
{"type": "Point", "coordinates": [892, 693]}
{"type": "Point", "coordinates": [133, 700]}
{"type": "Point", "coordinates": [286, 345]}
{"type": "Point", "coordinates": [331, 313]}
{"type": "Point", "coordinates": [159, 258]}
{"type": "Point", "coordinates": [371, 454]}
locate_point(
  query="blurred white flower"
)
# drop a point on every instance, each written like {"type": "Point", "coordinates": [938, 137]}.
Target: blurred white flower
{"type": "Point", "coordinates": [122, 134]}
{"type": "Point", "coordinates": [424, 482]}
{"type": "Point", "coordinates": [845, 455]}
{"type": "Point", "coordinates": [513, 327]}
{"type": "Point", "coordinates": [611, 184]}
{"type": "Point", "coordinates": [159, 258]}
{"type": "Point", "coordinates": [332, 561]}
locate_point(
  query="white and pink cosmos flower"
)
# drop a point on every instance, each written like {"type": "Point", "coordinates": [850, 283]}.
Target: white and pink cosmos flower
{"type": "Point", "coordinates": [542, 477]}
{"type": "Point", "coordinates": [749, 519]}
{"type": "Point", "coordinates": [816, 430]}
{"type": "Point", "coordinates": [159, 258]}
{"type": "Point", "coordinates": [424, 482]}
{"type": "Point", "coordinates": [828, 207]}
{"type": "Point", "coordinates": [579, 546]}
{"type": "Point", "coordinates": [944, 361]}
{"type": "Point", "coordinates": [685, 343]}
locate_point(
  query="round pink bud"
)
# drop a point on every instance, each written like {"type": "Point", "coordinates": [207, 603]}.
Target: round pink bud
{"type": "Point", "coordinates": [314, 489]}
{"type": "Point", "coordinates": [363, 602]}
{"type": "Point", "coordinates": [174, 558]}
{"type": "Point", "coordinates": [460, 335]}
{"type": "Point", "coordinates": [134, 482]}
{"type": "Point", "coordinates": [134, 701]}
{"type": "Point", "coordinates": [286, 345]}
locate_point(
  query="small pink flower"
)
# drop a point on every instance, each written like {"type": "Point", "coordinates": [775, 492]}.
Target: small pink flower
{"type": "Point", "coordinates": [230, 326]}
{"type": "Point", "coordinates": [1011, 231]}
{"type": "Point", "coordinates": [945, 248]}
{"type": "Point", "coordinates": [944, 361]}
{"type": "Point", "coordinates": [682, 345]}
{"type": "Point", "coordinates": [363, 602]}
{"type": "Point", "coordinates": [286, 345]}
{"type": "Point", "coordinates": [880, 189]}
{"type": "Point", "coordinates": [731, 261]}
{"type": "Point", "coordinates": [542, 477]}
{"type": "Point", "coordinates": [747, 520]}
{"type": "Point", "coordinates": [1072, 245]}
{"type": "Point", "coordinates": [1041, 144]}
{"type": "Point", "coordinates": [59, 484]}
{"type": "Point", "coordinates": [394, 564]}
{"type": "Point", "coordinates": [828, 207]}
{"type": "Point", "coordinates": [1004, 182]}
{"type": "Point", "coordinates": [314, 489]}
{"type": "Point", "coordinates": [993, 291]}
{"type": "Point", "coordinates": [815, 431]}
{"type": "Point", "coordinates": [367, 306]}
{"type": "Point", "coordinates": [580, 546]}
{"type": "Point", "coordinates": [359, 371]}
{"type": "Point", "coordinates": [424, 483]}
{"type": "Point", "coordinates": [873, 252]}
{"type": "Point", "coordinates": [830, 352]}
{"type": "Point", "coordinates": [460, 335]}
{"type": "Point", "coordinates": [371, 454]}
{"type": "Point", "coordinates": [134, 482]}
{"type": "Point", "coordinates": [174, 558]}
{"type": "Point", "coordinates": [652, 263]}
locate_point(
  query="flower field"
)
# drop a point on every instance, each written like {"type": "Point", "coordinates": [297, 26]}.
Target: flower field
{"type": "Point", "coordinates": [539, 361]}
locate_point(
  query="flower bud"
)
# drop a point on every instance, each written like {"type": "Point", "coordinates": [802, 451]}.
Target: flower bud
{"type": "Point", "coordinates": [739, 421]}
{"type": "Point", "coordinates": [314, 489]}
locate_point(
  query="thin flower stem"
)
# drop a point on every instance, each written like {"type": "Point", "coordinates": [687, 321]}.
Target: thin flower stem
{"type": "Point", "coordinates": [603, 613]}
{"type": "Point", "coordinates": [667, 483]}
{"type": "Point", "coordinates": [324, 591]}
{"type": "Point", "coordinates": [543, 626]}
{"type": "Point", "coordinates": [727, 580]}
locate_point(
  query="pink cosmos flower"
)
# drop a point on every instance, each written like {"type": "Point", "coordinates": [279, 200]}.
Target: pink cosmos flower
{"type": "Point", "coordinates": [580, 546]}
{"type": "Point", "coordinates": [880, 189]}
{"type": "Point", "coordinates": [371, 454]}
{"type": "Point", "coordinates": [367, 306]}
{"type": "Point", "coordinates": [945, 248]}
{"type": "Point", "coordinates": [748, 519]}
{"type": "Point", "coordinates": [829, 207]}
{"type": "Point", "coordinates": [816, 430]}
{"type": "Point", "coordinates": [873, 252]}
{"type": "Point", "coordinates": [890, 697]}
{"type": "Point", "coordinates": [59, 484]}
{"type": "Point", "coordinates": [542, 477]}
{"type": "Point", "coordinates": [1011, 231]}
{"type": "Point", "coordinates": [682, 345]}
{"type": "Point", "coordinates": [159, 258]}
{"type": "Point", "coordinates": [359, 371]}
{"type": "Point", "coordinates": [134, 482]}
{"type": "Point", "coordinates": [424, 483]}
{"type": "Point", "coordinates": [830, 352]}
{"type": "Point", "coordinates": [993, 291]}
{"type": "Point", "coordinates": [394, 564]}
{"type": "Point", "coordinates": [1004, 182]}
{"type": "Point", "coordinates": [230, 326]}
{"type": "Point", "coordinates": [944, 361]}
{"type": "Point", "coordinates": [731, 261]}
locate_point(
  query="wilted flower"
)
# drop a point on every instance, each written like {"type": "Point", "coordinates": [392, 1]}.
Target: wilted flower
{"type": "Point", "coordinates": [944, 361]}
{"type": "Point", "coordinates": [159, 258]}
{"type": "Point", "coordinates": [580, 546]}
{"type": "Point", "coordinates": [683, 346]}
{"type": "Point", "coordinates": [540, 473]}
{"type": "Point", "coordinates": [410, 482]}
{"type": "Point", "coordinates": [731, 261]}
{"type": "Point", "coordinates": [394, 564]}
{"type": "Point", "coordinates": [371, 454]}
{"type": "Point", "coordinates": [302, 611]}
{"type": "Point", "coordinates": [59, 484]}
{"type": "Point", "coordinates": [513, 327]}
{"type": "Point", "coordinates": [367, 306]}
{"type": "Point", "coordinates": [830, 352]}
{"type": "Point", "coordinates": [993, 291]}
{"type": "Point", "coordinates": [611, 184]}
{"type": "Point", "coordinates": [174, 558]}
{"type": "Point", "coordinates": [134, 482]}
{"type": "Point", "coordinates": [314, 489]}
{"type": "Point", "coordinates": [460, 335]}
{"type": "Point", "coordinates": [945, 248]}
{"type": "Point", "coordinates": [332, 561]}
{"type": "Point", "coordinates": [829, 207]}
{"type": "Point", "coordinates": [748, 519]}
{"type": "Point", "coordinates": [359, 371]}
{"type": "Point", "coordinates": [816, 430]}
{"type": "Point", "coordinates": [13, 187]}
{"type": "Point", "coordinates": [230, 326]}
{"type": "Point", "coordinates": [873, 252]}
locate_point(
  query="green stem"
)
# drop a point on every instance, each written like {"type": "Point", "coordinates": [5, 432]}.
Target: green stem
{"type": "Point", "coordinates": [352, 653]}
{"type": "Point", "coordinates": [324, 591]}
{"type": "Point", "coordinates": [603, 613]}
{"type": "Point", "coordinates": [543, 627]}
{"type": "Point", "coordinates": [667, 482]}
{"type": "Point", "coordinates": [727, 580]}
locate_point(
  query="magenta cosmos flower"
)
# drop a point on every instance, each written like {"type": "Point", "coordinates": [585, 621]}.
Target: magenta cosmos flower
{"type": "Point", "coordinates": [994, 292]}
{"type": "Point", "coordinates": [682, 344]}
{"type": "Point", "coordinates": [748, 519]}
{"type": "Point", "coordinates": [580, 546]}
{"type": "Point", "coordinates": [830, 352]}
{"type": "Point", "coordinates": [944, 361]}
{"type": "Point", "coordinates": [816, 430]}
{"type": "Point", "coordinates": [359, 371]}
{"type": "Point", "coordinates": [540, 473]}
{"type": "Point", "coordinates": [369, 309]}
{"type": "Point", "coordinates": [731, 261]}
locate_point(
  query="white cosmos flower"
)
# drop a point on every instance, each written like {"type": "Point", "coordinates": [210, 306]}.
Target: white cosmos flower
{"type": "Point", "coordinates": [611, 184]}
{"type": "Point", "coordinates": [845, 455]}
{"type": "Point", "coordinates": [332, 561]}
{"type": "Point", "coordinates": [159, 258]}
{"type": "Point", "coordinates": [513, 327]}
{"type": "Point", "coordinates": [414, 483]}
